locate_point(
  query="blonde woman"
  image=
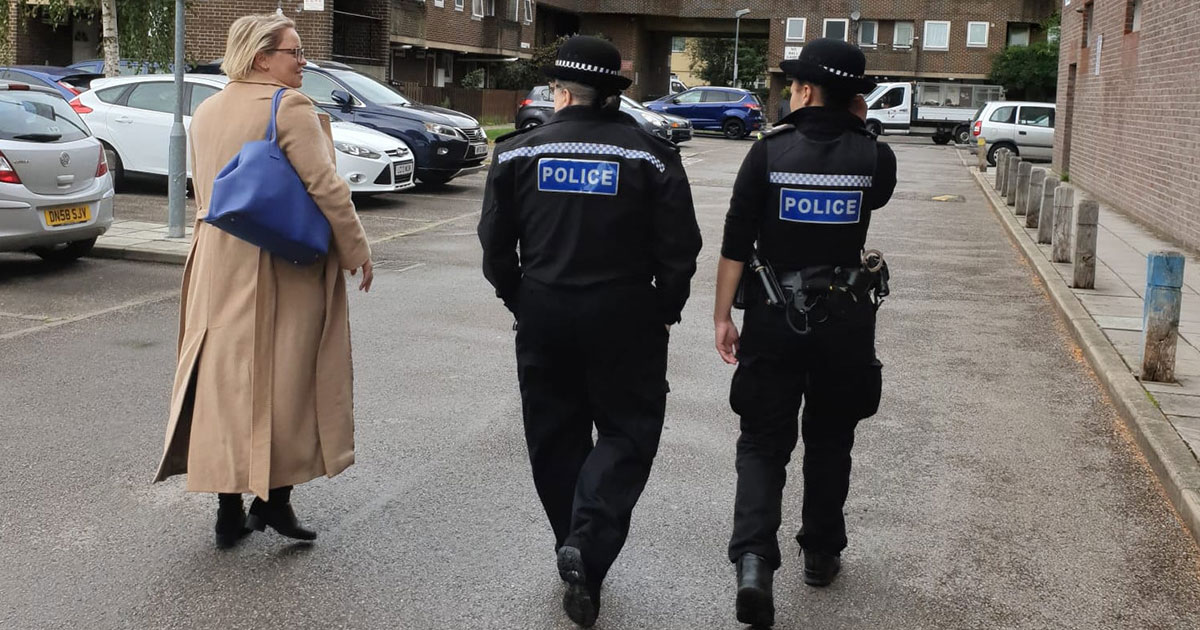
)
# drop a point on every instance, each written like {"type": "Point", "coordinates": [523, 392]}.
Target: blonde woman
{"type": "Point", "coordinates": [262, 399]}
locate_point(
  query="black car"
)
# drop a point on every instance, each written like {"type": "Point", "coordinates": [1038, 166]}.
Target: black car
{"type": "Point", "coordinates": [538, 107]}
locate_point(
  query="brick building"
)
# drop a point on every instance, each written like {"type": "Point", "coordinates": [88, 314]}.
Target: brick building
{"type": "Point", "coordinates": [1129, 75]}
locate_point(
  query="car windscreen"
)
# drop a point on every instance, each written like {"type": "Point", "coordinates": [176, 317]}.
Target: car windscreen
{"type": "Point", "coordinates": [38, 117]}
{"type": "Point", "coordinates": [372, 91]}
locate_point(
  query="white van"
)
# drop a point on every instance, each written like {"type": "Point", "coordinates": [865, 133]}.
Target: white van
{"type": "Point", "coordinates": [1025, 128]}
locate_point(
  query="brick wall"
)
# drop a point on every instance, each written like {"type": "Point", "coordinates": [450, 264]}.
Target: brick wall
{"type": "Point", "coordinates": [449, 28]}
{"type": "Point", "coordinates": [1132, 132]}
{"type": "Point", "coordinates": [32, 41]}
{"type": "Point", "coordinates": [207, 26]}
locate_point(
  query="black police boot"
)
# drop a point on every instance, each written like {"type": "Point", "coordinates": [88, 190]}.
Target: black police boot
{"type": "Point", "coordinates": [231, 520]}
{"type": "Point", "coordinates": [820, 568]}
{"type": "Point", "coordinates": [278, 515]}
{"type": "Point", "coordinates": [755, 602]}
{"type": "Point", "coordinates": [581, 602]}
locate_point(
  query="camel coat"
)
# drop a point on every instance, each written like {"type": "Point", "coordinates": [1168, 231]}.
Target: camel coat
{"type": "Point", "coordinates": [263, 386]}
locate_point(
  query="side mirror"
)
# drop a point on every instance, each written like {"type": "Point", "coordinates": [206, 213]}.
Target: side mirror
{"type": "Point", "coordinates": [675, 101]}
{"type": "Point", "coordinates": [342, 98]}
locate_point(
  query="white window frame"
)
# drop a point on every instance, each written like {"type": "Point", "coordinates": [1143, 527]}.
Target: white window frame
{"type": "Point", "coordinates": [987, 32]}
{"type": "Point", "coordinates": [925, 35]}
{"type": "Point", "coordinates": [875, 41]}
{"type": "Point", "coordinates": [458, 5]}
{"type": "Point", "coordinates": [895, 32]}
{"type": "Point", "coordinates": [439, 3]}
{"type": "Point", "coordinates": [477, 9]}
{"type": "Point", "coordinates": [787, 28]}
{"type": "Point", "coordinates": [845, 27]}
{"type": "Point", "coordinates": [528, 4]}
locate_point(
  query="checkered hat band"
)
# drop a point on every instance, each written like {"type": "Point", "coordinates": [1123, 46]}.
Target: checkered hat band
{"type": "Point", "coordinates": [841, 73]}
{"type": "Point", "coordinates": [586, 67]}
{"type": "Point", "coordinates": [821, 179]}
{"type": "Point", "coordinates": [581, 148]}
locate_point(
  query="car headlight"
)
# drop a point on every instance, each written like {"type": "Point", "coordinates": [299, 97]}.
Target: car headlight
{"type": "Point", "coordinates": [441, 130]}
{"type": "Point", "coordinates": [356, 150]}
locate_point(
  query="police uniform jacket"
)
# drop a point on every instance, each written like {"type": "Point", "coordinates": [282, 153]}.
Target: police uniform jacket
{"type": "Point", "coordinates": [805, 192]}
{"type": "Point", "coordinates": [591, 200]}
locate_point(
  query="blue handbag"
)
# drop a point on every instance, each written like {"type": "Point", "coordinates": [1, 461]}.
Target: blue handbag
{"type": "Point", "coordinates": [259, 198]}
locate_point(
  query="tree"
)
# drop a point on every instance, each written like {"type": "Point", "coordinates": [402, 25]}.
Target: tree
{"type": "Point", "coordinates": [140, 29]}
{"type": "Point", "coordinates": [526, 73]}
{"type": "Point", "coordinates": [1030, 72]}
{"type": "Point", "coordinates": [712, 59]}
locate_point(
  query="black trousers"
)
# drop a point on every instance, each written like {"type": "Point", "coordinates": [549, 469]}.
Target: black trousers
{"type": "Point", "coordinates": [834, 374]}
{"type": "Point", "coordinates": [587, 358]}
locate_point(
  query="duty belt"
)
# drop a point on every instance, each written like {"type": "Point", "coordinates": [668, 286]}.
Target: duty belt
{"type": "Point", "coordinates": [824, 293]}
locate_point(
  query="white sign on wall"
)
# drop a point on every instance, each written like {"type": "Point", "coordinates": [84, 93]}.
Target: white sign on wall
{"type": "Point", "coordinates": [791, 52]}
{"type": "Point", "coordinates": [1096, 60]}
{"type": "Point", "coordinates": [314, 5]}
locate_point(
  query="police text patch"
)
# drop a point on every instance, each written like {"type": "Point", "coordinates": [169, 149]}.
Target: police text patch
{"type": "Point", "coordinates": [589, 177]}
{"type": "Point", "coordinates": [820, 206]}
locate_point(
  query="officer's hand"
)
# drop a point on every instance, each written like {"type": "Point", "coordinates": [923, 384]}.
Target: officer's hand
{"type": "Point", "coordinates": [727, 340]}
{"type": "Point", "coordinates": [858, 107]}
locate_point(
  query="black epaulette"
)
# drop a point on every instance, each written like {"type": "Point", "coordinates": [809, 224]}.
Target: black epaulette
{"type": "Point", "coordinates": [776, 130]}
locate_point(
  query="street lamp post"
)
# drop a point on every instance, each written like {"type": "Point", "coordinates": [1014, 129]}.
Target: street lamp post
{"type": "Point", "coordinates": [737, 28]}
{"type": "Point", "coordinates": [177, 143]}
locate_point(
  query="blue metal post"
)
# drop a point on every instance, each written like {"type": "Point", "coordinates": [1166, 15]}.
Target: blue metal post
{"type": "Point", "coordinates": [1160, 315]}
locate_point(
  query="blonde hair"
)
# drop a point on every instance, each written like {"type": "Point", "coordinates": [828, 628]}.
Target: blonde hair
{"type": "Point", "coordinates": [248, 36]}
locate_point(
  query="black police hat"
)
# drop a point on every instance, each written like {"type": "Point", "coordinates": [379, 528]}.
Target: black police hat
{"type": "Point", "coordinates": [590, 61]}
{"type": "Point", "coordinates": [831, 63]}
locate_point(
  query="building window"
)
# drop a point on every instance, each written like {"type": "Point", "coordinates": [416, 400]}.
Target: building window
{"type": "Point", "coordinates": [439, 3]}
{"type": "Point", "coordinates": [477, 8]}
{"type": "Point", "coordinates": [1018, 34]}
{"type": "Point", "coordinates": [678, 44]}
{"type": "Point", "coordinates": [528, 11]}
{"type": "Point", "coordinates": [902, 36]}
{"type": "Point", "coordinates": [513, 11]}
{"type": "Point", "coordinates": [836, 28]}
{"type": "Point", "coordinates": [977, 34]}
{"type": "Point", "coordinates": [458, 5]}
{"type": "Point", "coordinates": [1133, 16]}
{"type": "Point", "coordinates": [868, 33]}
{"type": "Point", "coordinates": [937, 35]}
{"type": "Point", "coordinates": [795, 29]}
{"type": "Point", "coordinates": [1087, 23]}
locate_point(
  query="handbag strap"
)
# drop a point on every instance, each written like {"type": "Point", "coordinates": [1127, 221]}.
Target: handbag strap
{"type": "Point", "coordinates": [274, 110]}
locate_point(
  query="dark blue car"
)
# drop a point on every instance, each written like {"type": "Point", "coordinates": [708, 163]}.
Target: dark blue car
{"type": "Point", "coordinates": [69, 82]}
{"type": "Point", "coordinates": [127, 67]}
{"type": "Point", "coordinates": [732, 111]}
{"type": "Point", "coordinates": [445, 143]}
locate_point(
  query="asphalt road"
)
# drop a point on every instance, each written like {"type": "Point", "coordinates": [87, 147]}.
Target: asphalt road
{"type": "Point", "coordinates": [995, 489]}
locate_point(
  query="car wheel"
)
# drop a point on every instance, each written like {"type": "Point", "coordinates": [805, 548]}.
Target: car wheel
{"type": "Point", "coordinates": [66, 252]}
{"type": "Point", "coordinates": [941, 138]}
{"type": "Point", "coordinates": [115, 168]}
{"type": "Point", "coordinates": [733, 128]}
{"type": "Point", "coordinates": [875, 127]}
{"type": "Point", "coordinates": [530, 124]}
{"type": "Point", "coordinates": [991, 154]}
{"type": "Point", "coordinates": [962, 135]}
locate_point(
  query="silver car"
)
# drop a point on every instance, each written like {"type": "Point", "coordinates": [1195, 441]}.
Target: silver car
{"type": "Point", "coordinates": [56, 195]}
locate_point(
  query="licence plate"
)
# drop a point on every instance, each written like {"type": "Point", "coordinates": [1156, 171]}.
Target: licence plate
{"type": "Point", "coordinates": [481, 149]}
{"type": "Point", "coordinates": [404, 169]}
{"type": "Point", "coordinates": [68, 215]}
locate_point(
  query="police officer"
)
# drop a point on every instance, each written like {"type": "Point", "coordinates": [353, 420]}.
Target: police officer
{"type": "Point", "coordinates": [804, 195]}
{"type": "Point", "coordinates": [590, 239]}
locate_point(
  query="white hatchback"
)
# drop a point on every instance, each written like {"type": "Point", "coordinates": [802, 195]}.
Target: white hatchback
{"type": "Point", "coordinates": [132, 116]}
{"type": "Point", "coordinates": [1025, 128]}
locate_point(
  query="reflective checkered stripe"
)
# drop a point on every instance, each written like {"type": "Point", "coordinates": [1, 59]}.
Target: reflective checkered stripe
{"type": "Point", "coordinates": [581, 148]}
{"type": "Point", "coordinates": [821, 179]}
{"type": "Point", "coordinates": [586, 67]}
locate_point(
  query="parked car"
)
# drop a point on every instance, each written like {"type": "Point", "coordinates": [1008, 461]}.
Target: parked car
{"type": "Point", "coordinates": [681, 128]}
{"type": "Point", "coordinates": [732, 111]}
{"type": "Point", "coordinates": [133, 115]}
{"type": "Point", "coordinates": [538, 108]}
{"type": "Point", "coordinates": [126, 66]}
{"type": "Point", "coordinates": [66, 81]}
{"type": "Point", "coordinates": [1025, 128]}
{"type": "Point", "coordinates": [56, 195]}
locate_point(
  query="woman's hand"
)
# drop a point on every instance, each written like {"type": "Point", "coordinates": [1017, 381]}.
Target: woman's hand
{"type": "Point", "coordinates": [368, 276]}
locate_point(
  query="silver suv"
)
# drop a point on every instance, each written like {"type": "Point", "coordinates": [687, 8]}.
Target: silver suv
{"type": "Point", "coordinates": [1025, 128]}
{"type": "Point", "coordinates": [56, 195]}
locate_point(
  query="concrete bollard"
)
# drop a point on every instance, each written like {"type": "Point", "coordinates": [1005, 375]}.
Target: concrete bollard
{"type": "Point", "coordinates": [1086, 219]}
{"type": "Point", "coordinates": [1060, 238]}
{"type": "Point", "coordinates": [1046, 210]}
{"type": "Point", "coordinates": [1010, 182]}
{"type": "Point", "coordinates": [1033, 197]}
{"type": "Point", "coordinates": [1160, 315]}
{"type": "Point", "coordinates": [1022, 196]}
{"type": "Point", "coordinates": [981, 154]}
{"type": "Point", "coordinates": [1001, 169]}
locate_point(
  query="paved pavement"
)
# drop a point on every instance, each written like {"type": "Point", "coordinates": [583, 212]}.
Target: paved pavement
{"type": "Point", "coordinates": [997, 487]}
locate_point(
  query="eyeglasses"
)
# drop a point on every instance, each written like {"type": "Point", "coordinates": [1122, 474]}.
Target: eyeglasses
{"type": "Point", "coordinates": [298, 53]}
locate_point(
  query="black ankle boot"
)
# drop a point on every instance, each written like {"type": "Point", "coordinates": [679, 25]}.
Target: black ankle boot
{"type": "Point", "coordinates": [755, 601]}
{"type": "Point", "coordinates": [278, 515]}
{"type": "Point", "coordinates": [231, 520]}
{"type": "Point", "coordinates": [821, 568]}
{"type": "Point", "coordinates": [581, 602]}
